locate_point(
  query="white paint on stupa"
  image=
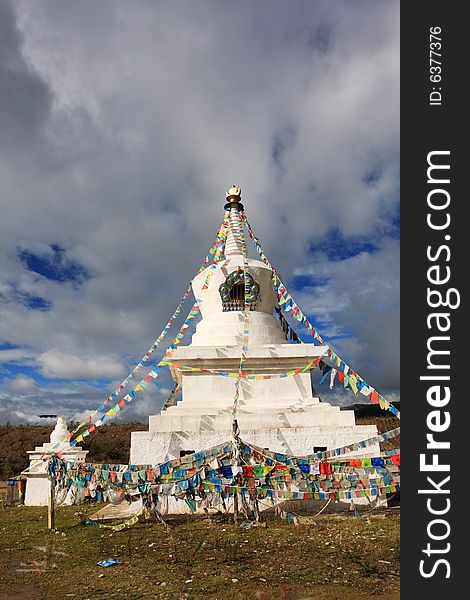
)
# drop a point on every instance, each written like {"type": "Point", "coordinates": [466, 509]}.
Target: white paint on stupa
{"type": "Point", "coordinates": [37, 482]}
{"type": "Point", "coordinates": [282, 414]}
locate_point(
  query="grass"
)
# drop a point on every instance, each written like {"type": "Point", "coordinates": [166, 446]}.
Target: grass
{"type": "Point", "coordinates": [338, 556]}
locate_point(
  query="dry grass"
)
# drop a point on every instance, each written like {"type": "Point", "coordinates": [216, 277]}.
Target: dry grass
{"type": "Point", "coordinates": [338, 556]}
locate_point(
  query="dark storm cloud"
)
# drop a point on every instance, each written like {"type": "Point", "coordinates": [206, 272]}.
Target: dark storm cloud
{"type": "Point", "coordinates": [25, 98]}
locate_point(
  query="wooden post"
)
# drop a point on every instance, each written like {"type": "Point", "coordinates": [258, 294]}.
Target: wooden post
{"type": "Point", "coordinates": [235, 453]}
{"type": "Point", "coordinates": [235, 507]}
{"type": "Point", "coordinates": [51, 506]}
{"type": "Point", "coordinates": [256, 509]}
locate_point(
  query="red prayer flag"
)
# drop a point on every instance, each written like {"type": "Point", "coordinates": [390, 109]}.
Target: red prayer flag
{"type": "Point", "coordinates": [325, 468]}
{"type": "Point", "coordinates": [247, 470]}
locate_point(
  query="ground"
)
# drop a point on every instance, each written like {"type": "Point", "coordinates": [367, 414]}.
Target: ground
{"type": "Point", "coordinates": [334, 556]}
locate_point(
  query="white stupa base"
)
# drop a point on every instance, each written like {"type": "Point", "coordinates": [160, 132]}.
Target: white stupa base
{"type": "Point", "coordinates": [37, 481]}
{"type": "Point", "coordinates": [37, 490]}
{"type": "Point", "coordinates": [156, 447]}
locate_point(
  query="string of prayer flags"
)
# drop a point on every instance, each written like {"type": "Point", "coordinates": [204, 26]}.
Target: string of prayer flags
{"type": "Point", "coordinates": [215, 245]}
{"type": "Point", "coordinates": [246, 318]}
{"type": "Point", "coordinates": [289, 494]}
{"type": "Point", "coordinates": [171, 401]}
{"type": "Point", "coordinates": [151, 376]}
{"type": "Point", "coordinates": [352, 381]}
{"type": "Point", "coordinates": [215, 467]}
{"type": "Point", "coordinates": [219, 251]}
{"type": "Point", "coordinates": [158, 340]}
{"type": "Point", "coordinates": [325, 369]}
{"type": "Point", "coordinates": [264, 474]}
{"type": "Point", "coordinates": [382, 437]}
{"type": "Point", "coordinates": [169, 324]}
{"type": "Point", "coordinates": [182, 332]}
{"type": "Point", "coordinates": [235, 374]}
{"type": "Point", "coordinates": [325, 454]}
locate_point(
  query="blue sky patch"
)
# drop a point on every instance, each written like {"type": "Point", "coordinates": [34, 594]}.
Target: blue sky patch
{"type": "Point", "coordinates": [11, 370]}
{"type": "Point", "coordinates": [302, 281]}
{"type": "Point", "coordinates": [372, 176]}
{"type": "Point", "coordinates": [55, 266]}
{"type": "Point", "coordinates": [337, 247]}
{"type": "Point", "coordinates": [31, 301]}
{"type": "Point", "coordinates": [34, 302]}
{"type": "Point", "coordinates": [8, 346]}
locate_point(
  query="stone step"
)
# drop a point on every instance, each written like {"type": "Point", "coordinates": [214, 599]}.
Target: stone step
{"type": "Point", "coordinates": [252, 405]}
{"type": "Point", "coordinates": [168, 422]}
{"type": "Point", "coordinates": [254, 401]}
{"type": "Point", "coordinates": [184, 410]}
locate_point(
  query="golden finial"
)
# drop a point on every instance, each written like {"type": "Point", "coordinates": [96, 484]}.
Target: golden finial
{"type": "Point", "coordinates": [234, 194]}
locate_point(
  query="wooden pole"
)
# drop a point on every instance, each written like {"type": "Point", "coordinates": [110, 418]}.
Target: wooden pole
{"type": "Point", "coordinates": [256, 509]}
{"type": "Point", "coordinates": [51, 506]}
{"type": "Point", "coordinates": [235, 452]}
{"type": "Point", "coordinates": [235, 507]}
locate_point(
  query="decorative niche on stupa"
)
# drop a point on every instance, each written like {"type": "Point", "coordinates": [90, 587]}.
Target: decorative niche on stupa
{"type": "Point", "coordinates": [233, 293]}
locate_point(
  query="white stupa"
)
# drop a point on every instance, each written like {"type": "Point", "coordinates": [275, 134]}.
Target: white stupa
{"type": "Point", "coordinates": [37, 482]}
{"type": "Point", "coordinates": [282, 414]}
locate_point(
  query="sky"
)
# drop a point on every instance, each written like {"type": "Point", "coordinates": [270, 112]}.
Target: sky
{"type": "Point", "coordinates": [122, 125]}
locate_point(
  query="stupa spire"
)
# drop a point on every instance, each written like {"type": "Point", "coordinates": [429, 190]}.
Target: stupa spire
{"type": "Point", "coordinates": [235, 237]}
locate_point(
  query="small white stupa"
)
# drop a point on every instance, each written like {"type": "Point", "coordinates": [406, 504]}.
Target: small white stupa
{"type": "Point", "coordinates": [37, 482]}
{"type": "Point", "coordinates": [282, 414]}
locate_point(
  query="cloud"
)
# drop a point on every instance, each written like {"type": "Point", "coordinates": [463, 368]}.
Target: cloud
{"type": "Point", "coordinates": [17, 355]}
{"type": "Point", "coordinates": [343, 398]}
{"type": "Point", "coordinates": [18, 416]}
{"type": "Point", "coordinates": [122, 130]}
{"type": "Point", "coordinates": [74, 400]}
{"type": "Point", "coordinates": [67, 366]}
{"type": "Point", "coordinates": [25, 97]}
{"type": "Point", "coordinates": [22, 384]}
